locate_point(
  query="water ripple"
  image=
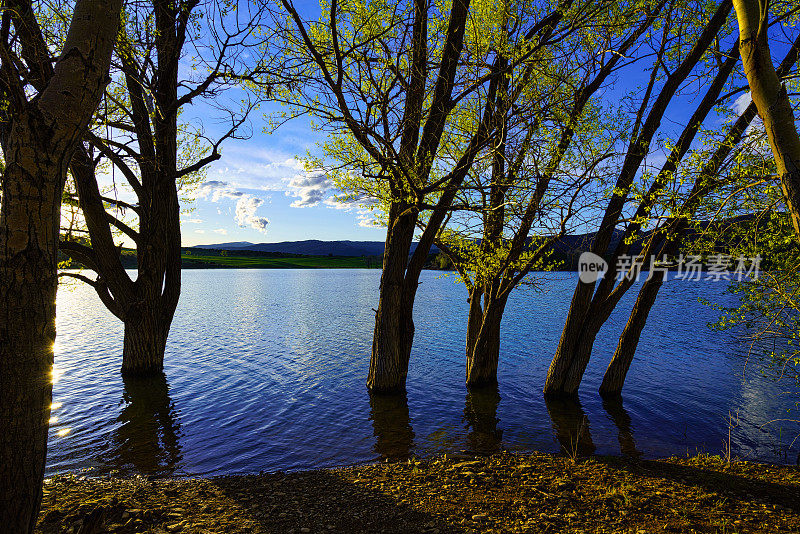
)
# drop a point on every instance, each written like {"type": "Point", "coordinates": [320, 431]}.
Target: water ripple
{"type": "Point", "coordinates": [265, 370]}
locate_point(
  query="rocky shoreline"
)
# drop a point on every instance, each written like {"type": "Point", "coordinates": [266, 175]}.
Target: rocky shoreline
{"type": "Point", "coordinates": [538, 493]}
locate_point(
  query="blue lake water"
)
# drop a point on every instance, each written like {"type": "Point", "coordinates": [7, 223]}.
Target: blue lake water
{"type": "Point", "coordinates": [265, 370]}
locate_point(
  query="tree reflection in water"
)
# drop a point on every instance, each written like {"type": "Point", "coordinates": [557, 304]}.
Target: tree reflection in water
{"type": "Point", "coordinates": [613, 406]}
{"type": "Point", "coordinates": [394, 437]}
{"type": "Point", "coordinates": [147, 440]}
{"type": "Point", "coordinates": [571, 426]}
{"type": "Point", "coordinates": [480, 414]}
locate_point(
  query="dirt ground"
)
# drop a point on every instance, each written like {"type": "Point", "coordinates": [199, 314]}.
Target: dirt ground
{"type": "Point", "coordinates": [503, 493]}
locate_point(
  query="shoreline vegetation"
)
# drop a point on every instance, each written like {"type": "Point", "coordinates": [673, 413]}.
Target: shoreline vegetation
{"type": "Point", "coordinates": [453, 493]}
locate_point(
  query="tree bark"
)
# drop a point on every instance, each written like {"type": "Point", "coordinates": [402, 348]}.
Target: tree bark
{"type": "Point", "coordinates": [483, 355]}
{"type": "Point", "coordinates": [145, 340]}
{"type": "Point", "coordinates": [394, 323]}
{"type": "Point", "coordinates": [28, 281]}
{"type": "Point", "coordinates": [771, 99]}
{"type": "Point", "coordinates": [38, 142]}
{"type": "Point", "coordinates": [614, 377]}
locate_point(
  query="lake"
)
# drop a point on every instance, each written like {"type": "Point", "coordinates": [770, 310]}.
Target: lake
{"type": "Point", "coordinates": [265, 370]}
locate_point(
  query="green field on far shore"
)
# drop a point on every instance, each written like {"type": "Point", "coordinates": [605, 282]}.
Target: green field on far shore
{"type": "Point", "coordinates": [195, 260]}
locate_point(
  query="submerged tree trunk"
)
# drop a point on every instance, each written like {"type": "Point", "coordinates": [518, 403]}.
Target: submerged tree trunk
{"type": "Point", "coordinates": [147, 305]}
{"type": "Point", "coordinates": [145, 341]}
{"type": "Point", "coordinates": [157, 288]}
{"type": "Point", "coordinates": [589, 310]}
{"type": "Point", "coordinates": [38, 140]}
{"type": "Point", "coordinates": [617, 370]}
{"type": "Point", "coordinates": [394, 323]}
{"type": "Point", "coordinates": [483, 354]}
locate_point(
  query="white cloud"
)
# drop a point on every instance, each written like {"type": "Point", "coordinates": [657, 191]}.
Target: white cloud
{"type": "Point", "coordinates": [221, 231]}
{"type": "Point", "coordinates": [310, 188]}
{"type": "Point", "coordinates": [199, 231]}
{"type": "Point", "coordinates": [246, 204]}
{"type": "Point", "coordinates": [741, 103]}
{"type": "Point", "coordinates": [246, 208]}
{"type": "Point", "coordinates": [216, 189]}
{"type": "Point", "coordinates": [192, 221]}
{"type": "Point", "coordinates": [255, 168]}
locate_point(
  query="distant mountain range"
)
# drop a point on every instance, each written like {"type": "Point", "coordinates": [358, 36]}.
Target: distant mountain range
{"type": "Point", "coordinates": [310, 247]}
{"type": "Point", "coordinates": [566, 249]}
{"type": "Point", "coordinates": [569, 244]}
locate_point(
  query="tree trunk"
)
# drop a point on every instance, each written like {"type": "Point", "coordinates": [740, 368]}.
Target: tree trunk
{"type": "Point", "coordinates": [145, 340]}
{"type": "Point", "coordinates": [28, 280]}
{"type": "Point", "coordinates": [38, 140]}
{"type": "Point", "coordinates": [617, 370]}
{"type": "Point", "coordinates": [616, 373]}
{"type": "Point", "coordinates": [771, 99]}
{"type": "Point", "coordinates": [574, 348]}
{"type": "Point", "coordinates": [570, 336]}
{"type": "Point", "coordinates": [484, 353]}
{"type": "Point", "coordinates": [394, 323]}
{"type": "Point", "coordinates": [157, 288]}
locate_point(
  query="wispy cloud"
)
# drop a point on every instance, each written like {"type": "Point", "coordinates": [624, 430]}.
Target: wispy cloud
{"type": "Point", "coordinates": [221, 231]}
{"type": "Point", "coordinates": [246, 167]}
{"type": "Point", "coordinates": [360, 206]}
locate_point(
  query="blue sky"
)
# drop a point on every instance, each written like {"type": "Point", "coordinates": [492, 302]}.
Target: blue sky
{"type": "Point", "coordinates": [259, 192]}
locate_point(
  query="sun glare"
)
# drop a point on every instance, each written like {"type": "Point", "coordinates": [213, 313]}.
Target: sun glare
{"type": "Point", "coordinates": [56, 374]}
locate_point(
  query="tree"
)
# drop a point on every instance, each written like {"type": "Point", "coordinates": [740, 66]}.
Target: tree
{"type": "Point", "coordinates": [140, 134]}
{"type": "Point", "coordinates": [388, 82]}
{"type": "Point", "coordinates": [709, 178]}
{"type": "Point", "coordinates": [590, 309]}
{"type": "Point", "coordinates": [771, 99]}
{"type": "Point", "coordinates": [542, 159]}
{"type": "Point", "coordinates": [48, 109]}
